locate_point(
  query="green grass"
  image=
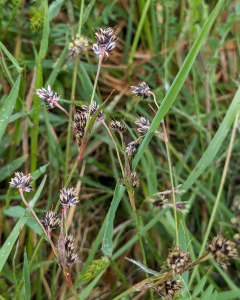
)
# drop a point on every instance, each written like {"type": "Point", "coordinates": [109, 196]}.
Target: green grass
{"type": "Point", "coordinates": [188, 54]}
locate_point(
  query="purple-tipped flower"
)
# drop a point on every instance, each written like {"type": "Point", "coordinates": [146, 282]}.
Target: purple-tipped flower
{"type": "Point", "coordinates": [51, 221]}
{"type": "Point", "coordinates": [94, 108]}
{"type": "Point", "coordinates": [117, 126]}
{"type": "Point", "coordinates": [48, 97]}
{"type": "Point", "coordinates": [132, 147]}
{"type": "Point", "coordinates": [68, 197]}
{"type": "Point", "coordinates": [21, 181]}
{"type": "Point", "coordinates": [105, 41]}
{"type": "Point", "coordinates": [141, 90]}
{"type": "Point", "coordinates": [143, 124]}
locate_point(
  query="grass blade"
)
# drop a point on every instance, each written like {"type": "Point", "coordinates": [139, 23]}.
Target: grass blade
{"type": "Point", "coordinates": [13, 60]}
{"type": "Point", "coordinates": [8, 106]}
{"type": "Point", "coordinates": [6, 170]}
{"type": "Point", "coordinates": [44, 42]}
{"type": "Point", "coordinates": [26, 274]}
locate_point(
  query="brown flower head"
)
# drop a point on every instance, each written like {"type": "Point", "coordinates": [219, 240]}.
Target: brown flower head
{"type": "Point", "coordinates": [160, 203]}
{"type": "Point", "coordinates": [117, 126]}
{"type": "Point", "coordinates": [135, 181]}
{"type": "Point", "coordinates": [22, 181]}
{"type": "Point", "coordinates": [177, 260]}
{"type": "Point", "coordinates": [47, 96]}
{"type": "Point", "coordinates": [80, 121]}
{"type": "Point", "coordinates": [51, 221]}
{"type": "Point", "coordinates": [143, 124]}
{"type": "Point", "coordinates": [169, 288]}
{"type": "Point", "coordinates": [78, 45]}
{"type": "Point", "coordinates": [141, 90]}
{"type": "Point", "coordinates": [94, 108]}
{"type": "Point", "coordinates": [132, 147]}
{"type": "Point", "coordinates": [70, 248]}
{"type": "Point", "coordinates": [222, 249]}
{"type": "Point", "coordinates": [68, 197]}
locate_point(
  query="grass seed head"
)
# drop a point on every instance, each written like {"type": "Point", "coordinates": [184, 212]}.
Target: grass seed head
{"type": "Point", "coordinates": [141, 90]}
{"type": "Point", "coordinates": [222, 249]}
{"type": "Point", "coordinates": [169, 288]}
{"type": "Point", "coordinates": [51, 221]}
{"type": "Point", "coordinates": [105, 41]}
{"type": "Point", "coordinates": [132, 147]}
{"type": "Point", "coordinates": [22, 181]}
{"type": "Point", "coordinates": [177, 260]}
{"type": "Point", "coordinates": [68, 197]}
{"type": "Point", "coordinates": [117, 126]}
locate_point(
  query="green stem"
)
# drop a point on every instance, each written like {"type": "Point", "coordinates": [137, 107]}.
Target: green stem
{"type": "Point", "coordinates": [206, 236]}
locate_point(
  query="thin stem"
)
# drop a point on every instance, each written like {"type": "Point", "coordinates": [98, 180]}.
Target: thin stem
{"type": "Point", "coordinates": [28, 206]}
{"type": "Point", "coordinates": [94, 87]}
{"type": "Point", "coordinates": [118, 155]}
{"type": "Point", "coordinates": [171, 178]}
{"type": "Point", "coordinates": [80, 18]}
{"type": "Point", "coordinates": [62, 109]}
{"type": "Point", "coordinates": [219, 193]}
{"type": "Point", "coordinates": [170, 168]}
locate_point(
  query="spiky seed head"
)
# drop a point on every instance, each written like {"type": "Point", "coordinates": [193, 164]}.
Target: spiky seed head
{"type": "Point", "coordinates": [78, 45]}
{"type": "Point", "coordinates": [169, 288]}
{"type": "Point", "coordinates": [117, 126]}
{"type": "Point", "coordinates": [51, 221]}
{"type": "Point", "coordinates": [132, 147]}
{"type": "Point", "coordinates": [141, 90]}
{"type": "Point", "coordinates": [105, 41]}
{"type": "Point", "coordinates": [143, 122]}
{"type": "Point", "coordinates": [177, 260]}
{"type": "Point", "coordinates": [69, 250]}
{"type": "Point", "coordinates": [22, 181]}
{"type": "Point", "coordinates": [80, 121]}
{"type": "Point", "coordinates": [68, 197]}
{"type": "Point", "coordinates": [95, 268]}
{"type": "Point", "coordinates": [47, 96]}
{"type": "Point", "coordinates": [222, 249]}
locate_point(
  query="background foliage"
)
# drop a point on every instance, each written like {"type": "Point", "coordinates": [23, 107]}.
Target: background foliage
{"type": "Point", "coordinates": [154, 39]}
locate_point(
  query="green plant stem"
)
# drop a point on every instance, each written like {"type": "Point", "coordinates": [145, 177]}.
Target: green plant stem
{"type": "Point", "coordinates": [80, 17]}
{"type": "Point", "coordinates": [170, 170]}
{"type": "Point", "coordinates": [206, 236]}
{"type": "Point", "coordinates": [118, 155]}
{"type": "Point", "coordinates": [36, 217]}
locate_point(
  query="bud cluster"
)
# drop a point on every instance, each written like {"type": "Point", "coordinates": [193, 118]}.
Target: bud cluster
{"type": "Point", "coordinates": [51, 221]}
{"type": "Point", "coordinates": [76, 46]}
{"type": "Point", "coordinates": [132, 147]}
{"type": "Point", "coordinates": [68, 197]}
{"type": "Point", "coordinates": [80, 121]}
{"type": "Point", "coordinates": [117, 126]}
{"type": "Point", "coordinates": [135, 181]}
{"type": "Point", "coordinates": [169, 288]}
{"type": "Point", "coordinates": [143, 124]}
{"type": "Point", "coordinates": [48, 96]}
{"type": "Point", "coordinates": [141, 90]}
{"type": "Point", "coordinates": [94, 108]}
{"type": "Point", "coordinates": [71, 256]}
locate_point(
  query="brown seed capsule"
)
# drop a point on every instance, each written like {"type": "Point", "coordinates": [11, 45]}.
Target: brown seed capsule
{"type": "Point", "coordinates": [222, 249]}
{"type": "Point", "coordinates": [144, 125]}
{"type": "Point", "coordinates": [105, 41]}
{"type": "Point", "coordinates": [51, 220]}
{"type": "Point", "coordinates": [94, 108]}
{"type": "Point", "coordinates": [135, 181]}
{"type": "Point", "coordinates": [141, 90]}
{"type": "Point", "coordinates": [68, 197]}
{"type": "Point", "coordinates": [177, 260]}
{"type": "Point", "coordinates": [169, 288]}
{"type": "Point", "coordinates": [69, 250]}
{"type": "Point", "coordinates": [22, 181]}
{"type": "Point", "coordinates": [160, 203]}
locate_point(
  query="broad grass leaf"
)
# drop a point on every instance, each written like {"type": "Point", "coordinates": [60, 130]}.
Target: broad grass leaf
{"type": "Point", "coordinates": [8, 169]}
{"type": "Point", "coordinates": [54, 9]}
{"type": "Point", "coordinates": [13, 60]}
{"type": "Point", "coordinates": [206, 295]}
{"type": "Point", "coordinates": [8, 106]}
{"type": "Point", "coordinates": [44, 42]}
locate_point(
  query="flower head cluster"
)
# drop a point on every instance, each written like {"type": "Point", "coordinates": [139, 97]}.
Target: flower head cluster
{"type": "Point", "coordinates": [177, 260]}
{"type": "Point", "coordinates": [22, 181]}
{"type": "Point", "coordinates": [51, 221]}
{"type": "Point", "coordinates": [222, 249]}
{"type": "Point", "coordinates": [68, 197]}
{"type": "Point", "coordinates": [132, 147]}
{"type": "Point", "coordinates": [135, 181]}
{"type": "Point", "coordinates": [143, 124]}
{"type": "Point", "coordinates": [141, 90]}
{"type": "Point", "coordinates": [160, 203]}
{"type": "Point", "coordinates": [94, 108]}
{"type": "Point", "coordinates": [48, 96]}
{"type": "Point", "coordinates": [169, 288]}
{"type": "Point", "coordinates": [105, 41]}
{"type": "Point", "coordinates": [80, 121]}
{"type": "Point", "coordinates": [71, 256]}
{"type": "Point", "coordinates": [117, 126]}
{"type": "Point", "coordinates": [80, 43]}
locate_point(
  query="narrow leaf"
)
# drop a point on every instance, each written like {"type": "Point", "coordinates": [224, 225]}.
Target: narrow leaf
{"type": "Point", "coordinates": [8, 169]}
{"type": "Point", "coordinates": [107, 246]}
{"type": "Point", "coordinates": [54, 9]}
{"type": "Point", "coordinates": [206, 295]}
{"type": "Point", "coordinates": [199, 286]}
{"type": "Point", "coordinates": [7, 109]}
{"type": "Point", "coordinates": [26, 275]}
{"type": "Point", "coordinates": [13, 60]}
{"type": "Point", "coordinates": [44, 42]}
